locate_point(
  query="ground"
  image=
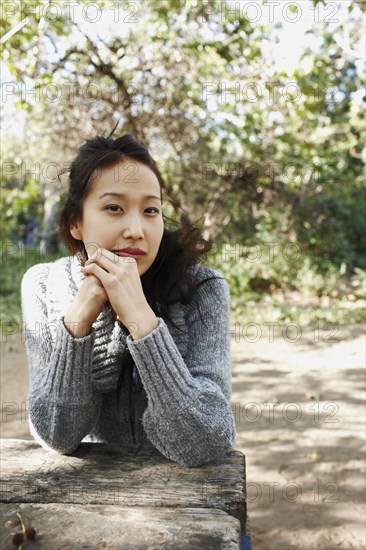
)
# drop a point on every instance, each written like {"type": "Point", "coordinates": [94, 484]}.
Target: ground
{"type": "Point", "coordinates": [298, 402]}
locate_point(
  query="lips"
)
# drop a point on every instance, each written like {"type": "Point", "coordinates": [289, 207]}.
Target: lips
{"type": "Point", "coordinates": [131, 252]}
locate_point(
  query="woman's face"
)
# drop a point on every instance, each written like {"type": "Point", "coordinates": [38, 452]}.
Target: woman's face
{"type": "Point", "coordinates": [123, 209]}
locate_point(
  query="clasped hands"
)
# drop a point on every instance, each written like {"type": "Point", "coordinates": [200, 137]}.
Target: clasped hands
{"type": "Point", "coordinates": [116, 279]}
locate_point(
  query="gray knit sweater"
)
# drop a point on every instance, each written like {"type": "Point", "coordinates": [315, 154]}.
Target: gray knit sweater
{"type": "Point", "coordinates": [176, 398]}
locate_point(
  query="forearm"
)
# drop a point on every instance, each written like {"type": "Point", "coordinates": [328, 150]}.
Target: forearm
{"type": "Point", "coordinates": [85, 308]}
{"type": "Point", "coordinates": [142, 323]}
{"type": "Point", "coordinates": [61, 427]}
{"type": "Point", "coordinates": [76, 323]}
{"type": "Point", "coordinates": [190, 436]}
{"type": "Point", "coordinates": [188, 418]}
{"type": "Point", "coordinates": [62, 402]}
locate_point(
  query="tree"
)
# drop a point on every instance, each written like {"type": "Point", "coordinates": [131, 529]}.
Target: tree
{"type": "Point", "coordinates": [183, 79]}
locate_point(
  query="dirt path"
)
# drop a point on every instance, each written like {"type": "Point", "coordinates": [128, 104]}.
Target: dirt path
{"type": "Point", "coordinates": [301, 423]}
{"type": "Point", "coordinates": [299, 409]}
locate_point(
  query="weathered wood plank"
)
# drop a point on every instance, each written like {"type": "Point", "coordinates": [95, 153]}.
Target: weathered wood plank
{"type": "Point", "coordinates": [110, 474]}
{"type": "Point", "coordinates": [75, 526]}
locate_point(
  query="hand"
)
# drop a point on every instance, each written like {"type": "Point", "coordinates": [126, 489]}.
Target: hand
{"type": "Point", "coordinates": [89, 302]}
{"type": "Point", "coordinates": [121, 281]}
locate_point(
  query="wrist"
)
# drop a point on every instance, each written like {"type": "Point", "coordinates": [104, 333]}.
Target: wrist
{"type": "Point", "coordinates": [76, 324]}
{"type": "Point", "coordinates": [142, 325]}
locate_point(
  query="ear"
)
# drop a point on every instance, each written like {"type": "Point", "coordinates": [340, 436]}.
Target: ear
{"type": "Point", "coordinates": [75, 232]}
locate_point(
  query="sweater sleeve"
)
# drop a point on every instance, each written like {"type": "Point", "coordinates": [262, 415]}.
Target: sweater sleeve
{"type": "Point", "coordinates": [189, 417]}
{"type": "Point", "coordinates": [62, 402]}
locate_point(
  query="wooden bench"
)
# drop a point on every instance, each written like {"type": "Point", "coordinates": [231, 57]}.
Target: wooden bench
{"type": "Point", "coordinates": [107, 496]}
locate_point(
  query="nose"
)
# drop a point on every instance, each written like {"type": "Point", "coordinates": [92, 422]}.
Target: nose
{"type": "Point", "coordinates": [132, 227]}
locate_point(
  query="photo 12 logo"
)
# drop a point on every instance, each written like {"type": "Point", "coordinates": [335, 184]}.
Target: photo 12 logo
{"type": "Point", "coordinates": [271, 11]}
{"type": "Point", "coordinates": [71, 11]}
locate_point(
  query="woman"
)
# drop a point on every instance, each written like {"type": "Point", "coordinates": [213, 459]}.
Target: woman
{"type": "Point", "coordinates": [128, 338]}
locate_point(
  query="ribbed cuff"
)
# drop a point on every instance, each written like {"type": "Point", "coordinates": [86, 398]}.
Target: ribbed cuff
{"type": "Point", "coordinates": [161, 366]}
{"type": "Point", "coordinates": [69, 372]}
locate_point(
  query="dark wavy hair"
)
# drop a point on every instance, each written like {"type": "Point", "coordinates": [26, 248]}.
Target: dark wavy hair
{"type": "Point", "coordinates": [168, 280]}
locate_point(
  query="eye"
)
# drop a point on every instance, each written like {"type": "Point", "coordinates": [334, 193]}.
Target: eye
{"type": "Point", "coordinates": [113, 208]}
{"type": "Point", "coordinates": [152, 209]}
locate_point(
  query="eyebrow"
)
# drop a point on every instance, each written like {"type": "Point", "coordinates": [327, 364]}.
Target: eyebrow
{"type": "Point", "coordinates": [123, 196]}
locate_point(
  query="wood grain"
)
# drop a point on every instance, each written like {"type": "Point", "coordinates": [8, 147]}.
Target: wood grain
{"type": "Point", "coordinates": [140, 488]}
{"type": "Point", "coordinates": [76, 526]}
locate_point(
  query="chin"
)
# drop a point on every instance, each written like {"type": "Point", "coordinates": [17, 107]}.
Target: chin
{"type": "Point", "coordinates": [144, 269]}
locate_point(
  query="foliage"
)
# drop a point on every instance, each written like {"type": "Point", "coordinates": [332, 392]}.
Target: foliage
{"type": "Point", "coordinates": [18, 205]}
{"type": "Point", "coordinates": [15, 261]}
{"type": "Point", "coordinates": [314, 298]}
{"type": "Point", "coordinates": [265, 287]}
{"type": "Point", "coordinates": [286, 168]}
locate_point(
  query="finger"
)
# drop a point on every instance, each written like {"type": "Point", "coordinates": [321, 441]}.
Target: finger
{"type": "Point", "coordinates": [99, 272]}
{"type": "Point", "coordinates": [101, 257]}
{"type": "Point", "coordinates": [101, 253]}
{"type": "Point", "coordinates": [114, 258]}
{"type": "Point", "coordinates": [93, 279]}
{"type": "Point", "coordinates": [109, 260]}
